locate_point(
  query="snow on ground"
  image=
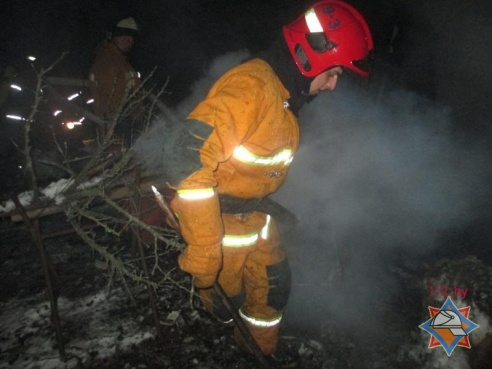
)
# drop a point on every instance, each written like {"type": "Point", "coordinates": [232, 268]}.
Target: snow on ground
{"type": "Point", "coordinates": [25, 198]}
{"type": "Point", "coordinates": [53, 191]}
{"type": "Point", "coordinates": [28, 341]}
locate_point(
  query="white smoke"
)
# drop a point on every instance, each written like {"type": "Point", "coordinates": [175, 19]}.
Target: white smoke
{"type": "Point", "coordinates": [215, 70]}
{"type": "Point", "coordinates": [392, 169]}
{"type": "Point", "coordinates": [149, 146]}
{"type": "Point", "coordinates": [373, 178]}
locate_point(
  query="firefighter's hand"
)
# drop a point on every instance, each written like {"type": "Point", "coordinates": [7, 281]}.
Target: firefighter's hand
{"type": "Point", "coordinates": [202, 262]}
{"type": "Point", "coordinates": [203, 281]}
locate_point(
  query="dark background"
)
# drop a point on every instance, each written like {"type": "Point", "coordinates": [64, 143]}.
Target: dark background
{"type": "Point", "coordinates": [442, 48]}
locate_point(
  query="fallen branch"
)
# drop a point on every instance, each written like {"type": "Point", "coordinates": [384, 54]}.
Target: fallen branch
{"type": "Point", "coordinates": [116, 193]}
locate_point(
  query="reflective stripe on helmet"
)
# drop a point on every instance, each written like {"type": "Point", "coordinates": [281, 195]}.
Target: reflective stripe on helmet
{"type": "Point", "coordinates": [264, 323]}
{"type": "Point", "coordinates": [247, 157]}
{"type": "Point", "coordinates": [196, 194]}
{"type": "Point", "coordinates": [312, 21]}
{"type": "Point", "coordinates": [249, 239]}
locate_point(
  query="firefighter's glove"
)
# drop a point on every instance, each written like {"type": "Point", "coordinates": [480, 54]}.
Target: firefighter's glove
{"type": "Point", "coordinates": [202, 262]}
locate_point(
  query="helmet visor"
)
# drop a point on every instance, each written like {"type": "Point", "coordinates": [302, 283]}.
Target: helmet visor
{"type": "Point", "coordinates": [319, 42]}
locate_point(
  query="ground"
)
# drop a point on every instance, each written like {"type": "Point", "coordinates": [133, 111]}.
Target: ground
{"type": "Point", "coordinates": [107, 325]}
{"type": "Point", "coordinates": [104, 328]}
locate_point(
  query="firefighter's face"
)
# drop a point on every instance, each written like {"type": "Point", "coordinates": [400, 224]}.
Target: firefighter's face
{"type": "Point", "coordinates": [124, 43]}
{"type": "Point", "coordinates": [326, 81]}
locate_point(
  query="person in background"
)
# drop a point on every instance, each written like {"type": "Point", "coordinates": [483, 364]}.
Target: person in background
{"type": "Point", "coordinates": [112, 78]}
{"type": "Point", "coordinates": [234, 149]}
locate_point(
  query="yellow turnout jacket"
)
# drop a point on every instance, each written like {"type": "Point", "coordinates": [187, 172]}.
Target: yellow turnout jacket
{"type": "Point", "coordinates": [252, 138]}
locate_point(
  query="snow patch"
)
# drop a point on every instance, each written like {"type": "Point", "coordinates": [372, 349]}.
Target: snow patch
{"type": "Point", "coordinates": [95, 329]}
{"type": "Point", "coordinates": [53, 191]}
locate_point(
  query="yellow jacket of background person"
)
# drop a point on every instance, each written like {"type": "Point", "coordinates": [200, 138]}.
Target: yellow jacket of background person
{"type": "Point", "coordinates": [239, 141]}
{"type": "Point", "coordinates": [112, 79]}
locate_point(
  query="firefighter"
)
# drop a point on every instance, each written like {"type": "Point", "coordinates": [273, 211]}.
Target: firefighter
{"type": "Point", "coordinates": [235, 148]}
{"type": "Point", "coordinates": [112, 78]}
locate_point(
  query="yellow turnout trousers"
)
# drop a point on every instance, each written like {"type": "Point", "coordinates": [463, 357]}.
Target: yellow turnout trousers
{"type": "Point", "coordinates": [255, 275]}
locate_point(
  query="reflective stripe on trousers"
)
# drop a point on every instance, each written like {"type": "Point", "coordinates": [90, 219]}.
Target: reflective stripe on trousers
{"type": "Point", "coordinates": [262, 323]}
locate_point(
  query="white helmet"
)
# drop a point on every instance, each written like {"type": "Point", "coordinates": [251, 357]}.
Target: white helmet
{"type": "Point", "coordinates": [125, 27]}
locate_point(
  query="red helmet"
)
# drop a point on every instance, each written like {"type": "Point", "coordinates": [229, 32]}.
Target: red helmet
{"type": "Point", "coordinates": [330, 33]}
